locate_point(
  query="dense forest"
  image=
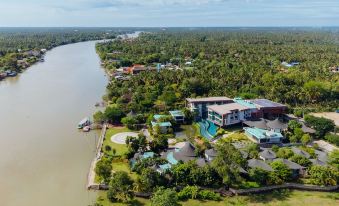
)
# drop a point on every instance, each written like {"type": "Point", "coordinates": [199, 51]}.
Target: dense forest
{"type": "Point", "coordinates": [227, 62]}
{"type": "Point", "coordinates": [21, 47]}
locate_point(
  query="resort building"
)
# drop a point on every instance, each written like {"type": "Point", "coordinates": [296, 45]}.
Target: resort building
{"type": "Point", "coordinates": [228, 114]}
{"type": "Point", "coordinates": [137, 68]}
{"type": "Point", "coordinates": [163, 125]}
{"type": "Point", "coordinates": [267, 155]}
{"type": "Point", "coordinates": [178, 116]}
{"type": "Point", "coordinates": [274, 125]}
{"type": "Point", "coordinates": [199, 105]}
{"type": "Point", "coordinates": [268, 109]}
{"type": "Point", "coordinates": [254, 163]}
{"type": "Point", "coordinates": [210, 154]}
{"type": "Point", "coordinates": [300, 152]}
{"type": "Point", "coordinates": [263, 136]}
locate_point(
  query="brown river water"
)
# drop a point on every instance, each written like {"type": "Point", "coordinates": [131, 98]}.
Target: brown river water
{"type": "Point", "coordinates": [44, 159]}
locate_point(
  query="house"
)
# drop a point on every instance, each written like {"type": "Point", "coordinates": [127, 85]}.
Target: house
{"type": "Point", "coordinates": [199, 105]}
{"type": "Point", "coordinates": [185, 154]}
{"type": "Point", "coordinates": [254, 163]}
{"type": "Point", "coordinates": [210, 154]}
{"type": "Point", "coordinates": [267, 155]}
{"type": "Point", "coordinates": [228, 114]}
{"type": "Point", "coordinates": [318, 162]}
{"type": "Point", "coordinates": [297, 170]}
{"type": "Point", "coordinates": [276, 125]}
{"type": "Point", "coordinates": [163, 125]}
{"type": "Point", "coordinates": [268, 109]}
{"type": "Point", "coordinates": [263, 136]}
{"type": "Point", "coordinates": [300, 152]}
{"type": "Point", "coordinates": [137, 68]}
{"type": "Point", "coordinates": [178, 116]}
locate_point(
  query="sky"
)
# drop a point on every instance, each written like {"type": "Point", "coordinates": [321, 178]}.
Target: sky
{"type": "Point", "coordinates": [168, 13]}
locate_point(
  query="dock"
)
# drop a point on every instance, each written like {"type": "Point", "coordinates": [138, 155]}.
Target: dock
{"type": "Point", "coordinates": [91, 185]}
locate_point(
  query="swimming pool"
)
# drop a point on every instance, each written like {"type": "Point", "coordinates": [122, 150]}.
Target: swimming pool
{"type": "Point", "coordinates": [207, 129]}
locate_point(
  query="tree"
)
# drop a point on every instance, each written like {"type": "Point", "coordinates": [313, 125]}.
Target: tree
{"type": "Point", "coordinates": [104, 169]}
{"type": "Point", "coordinates": [305, 139]}
{"type": "Point", "coordinates": [160, 142]}
{"type": "Point", "coordinates": [334, 159]}
{"type": "Point", "coordinates": [293, 124]}
{"type": "Point", "coordinates": [320, 124]}
{"type": "Point", "coordinates": [113, 114]}
{"type": "Point", "coordinates": [148, 180]}
{"type": "Point", "coordinates": [284, 153]}
{"type": "Point", "coordinates": [98, 117]}
{"type": "Point", "coordinates": [120, 188]}
{"type": "Point", "coordinates": [164, 197]}
{"type": "Point", "coordinates": [323, 175]}
{"type": "Point", "coordinates": [332, 138]}
{"type": "Point", "coordinates": [259, 175]}
{"type": "Point", "coordinates": [303, 161]}
{"type": "Point", "coordinates": [129, 122]}
{"type": "Point", "coordinates": [227, 163]}
{"type": "Point", "coordinates": [281, 170]}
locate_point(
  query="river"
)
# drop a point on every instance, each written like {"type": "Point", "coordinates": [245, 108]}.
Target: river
{"type": "Point", "coordinates": [44, 159]}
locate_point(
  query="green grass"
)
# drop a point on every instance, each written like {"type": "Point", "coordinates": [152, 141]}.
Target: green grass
{"type": "Point", "coordinates": [190, 130]}
{"type": "Point", "coordinates": [277, 198]}
{"type": "Point", "coordinates": [119, 148]}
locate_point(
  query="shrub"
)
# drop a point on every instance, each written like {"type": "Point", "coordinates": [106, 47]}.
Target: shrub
{"type": "Point", "coordinates": [208, 195]}
{"type": "Point", "coordinates": [332, 138]}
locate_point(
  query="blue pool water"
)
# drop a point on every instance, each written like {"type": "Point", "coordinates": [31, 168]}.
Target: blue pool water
{"type": "Point", "coordinates": [207, 129]}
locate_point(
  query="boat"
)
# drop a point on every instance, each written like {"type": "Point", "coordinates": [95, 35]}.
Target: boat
{"type": "Point", "coordinates": [83, 123]}
{"type": "Point", "coordinates": [86, 129]}
{"type": "Point", "coordinates": [11, 73]}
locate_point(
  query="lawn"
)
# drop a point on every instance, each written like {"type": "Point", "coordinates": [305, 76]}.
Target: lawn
{"type": "Point", "coordinates": [278, 198]}
{"type": "Point", "coordinates": [119, 148]}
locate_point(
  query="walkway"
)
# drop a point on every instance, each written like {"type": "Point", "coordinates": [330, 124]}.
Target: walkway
{"type": "Point", "coordinates": [91, 175]}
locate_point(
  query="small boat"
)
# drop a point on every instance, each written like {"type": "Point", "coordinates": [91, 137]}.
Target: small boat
{"type": "Point", "coordinates": [86, 129]}
{"type": "Point", "coordinates": [42, 60]}
{"type": "Point", "coordinates": [11, 73]}
{"type": "Point", "coordinates": [83, 123]}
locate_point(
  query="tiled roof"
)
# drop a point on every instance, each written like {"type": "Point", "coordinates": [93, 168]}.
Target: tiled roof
{"type": "Point", "coordinates": [208, 99]}
{"type": "Point", "coordinates": [227, 108]}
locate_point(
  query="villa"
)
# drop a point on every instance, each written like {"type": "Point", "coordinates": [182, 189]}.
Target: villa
{"type": "Point", "coordinates": [178, 116]}
{"type": "Point", "coordinates": [297, 170]}
{"type": "Point", "coordinates": [263, 136]}
{"type": "Point", "coordinates": [157, 121]}
{"type": "Point", "coordinates": [199, 105]}
{"type": "Point", "coordinates": [228, 114]}
{"type": "Point", "coordinates": [254, 163]}
{"type": "Point", "coordinates": [267, 155]}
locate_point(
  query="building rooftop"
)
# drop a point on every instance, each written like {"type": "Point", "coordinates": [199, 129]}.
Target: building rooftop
{"type": "Point", "coordinates": [260, 123]}
{"type": "Point", "coordinates": [254, 163]}
{"type": "Point", "coordinates": [276, 124]}
{"type": "Point", "coordinates": [265, 103]}
{"type": "Point", "coordinates": [227, 108]}
{"type": "Point", "coordinates": [245, 103]}
{"type": "Point", "coordinates": [262, 133]}
{"type": "Point", "coordinates": [162, 124]}
{"type": "Point", "coordinates": [267, 154]}
{"type": "Point", "coordinates": [289, 164]}
{"type": "Point", "coordinates": [211, 152]}
{"type": "Point", "coordinates": [177, 113]}
{"type": "Point", "coordinates": [298, 151]}
{"type": "Point", "coordinates": [318, 162]}
{"type": "Point", "coordinates": [208, 99]}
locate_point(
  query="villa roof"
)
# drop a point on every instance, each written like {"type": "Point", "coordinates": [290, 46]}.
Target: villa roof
{"type": "Point", "coordinates": [276, 124]}
{"type": "Point", "coordinates": [318, 162]}
{"type": "Point", "coordinates": [211, 152]}
{"type": "Point", "coordinates": [289, 164]}
{"type": "Point", "coordinates": [244, 154]}
{"type": "Point", "coordinates": [267, 154]}
{"type": "Point", "coordinates": [208, 99]}
{"type": "Point", "coordinates": [245, 103]}
{"type": "Point", "coordinates": [227, 108]}
{"type": "Point", "coordinates": [254, 163]}
{"type": "Point", "coordinates": [186, 153]}
{"type": "Point", "coordinates": [322, 156]}
{"type": "Point", "coordinates": [306, 129]}
{"type": "Point", "coordinates": [260, 123]}
{"type": "Point", "coordinates": [201, 162]}
{"type": "Point", "coordinates": [265, 103]}
{"type": "Point", "coordinates": [301, 152]}
{"type": "Point", "coordinates": [176, 113]}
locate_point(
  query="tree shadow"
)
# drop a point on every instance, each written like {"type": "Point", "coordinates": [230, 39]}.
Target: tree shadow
{"type": "Point", "coordinates": [135, 202]}
{"type": "Point", "coordinates": [279, 195]}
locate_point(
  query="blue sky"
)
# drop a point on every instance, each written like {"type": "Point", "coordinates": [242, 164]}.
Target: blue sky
{"type": "Point", "coordinates": [125, 13]}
